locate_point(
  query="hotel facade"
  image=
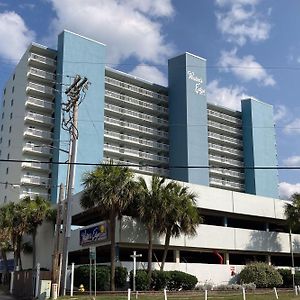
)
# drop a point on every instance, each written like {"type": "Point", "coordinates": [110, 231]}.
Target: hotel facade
{"type": "Point", "coordinates": [170, 131]}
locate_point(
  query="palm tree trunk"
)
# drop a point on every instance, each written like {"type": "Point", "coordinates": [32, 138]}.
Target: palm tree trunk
{"type": "Point", "coordinates": [34, 249]}
{"type": "Point", "coordinates": [19, 239]}
{"type": "Point", "coordinates": [5, 266]}
{"type": "Point", "coordinates": [167, 244]}
{"type": "Point", "coordinates": [112, 219]}
{"type": "Point", "coordinates": [150, 250]}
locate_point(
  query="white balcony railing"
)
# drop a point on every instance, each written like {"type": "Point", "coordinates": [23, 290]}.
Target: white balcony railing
{"type": "Point", "coordinates": [42, 59]}
{"type": "Point", "coordinates": [42, 134]}
{"type": "Point", "coordinates": [135, 89]}
{"type": "Point", "coordinates": [39, 118]}
{"type": "Point", "coordinates": [35, 180]}
{"type": "Point", "coordinates": [225, 172]}
{"type": "Point", "coordinates": [224, 138]}
{"type": "Point", "coordinates": [223, 116]}
{"type": "Point", "coordinates": [226, 183]}
{"type": "Point", "coordinates": [47, 105]}
{"type": "Point", "coordinates": [136, 153]}
{"type": "Point", "coordinates": [136, 127]}
{"type": "Point", "coordinates": [32, 195]}
{"type": "Point", "coordinates": [37, 149]}
{"type": "Point", "coordinates": [36, 165]}
{"type": "Point", "coordinates": [135, 114]}
{"type": "Point", "coordinates": [225, 127]}
{"type": "Point", "coordinates": [41, 74]}
{"type": "Point", "coordinates": [41, 88]}
{"type": "Point", "coordinates": [136, 101]}
{"type": "Point", "coordinates": [127, 138]}
{"type": "Point", "coordinates": [225, 160]}
{"type": "Point", "coordinates": [225, 149]}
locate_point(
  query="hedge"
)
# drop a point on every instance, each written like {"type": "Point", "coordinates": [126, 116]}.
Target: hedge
{"type": "Point", "coordinates": [288, 279]}
{"type": "Point", "coordinates": [262, 274]}
{"type": "Point", "coordinates": [82, 275]}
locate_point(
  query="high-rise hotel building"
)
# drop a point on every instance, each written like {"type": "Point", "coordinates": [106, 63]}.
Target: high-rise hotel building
{"type": "Point", "coordinates": [171, 131]}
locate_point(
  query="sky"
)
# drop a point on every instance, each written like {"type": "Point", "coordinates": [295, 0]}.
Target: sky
{"type": "Point", "coordinates": [252, 48]}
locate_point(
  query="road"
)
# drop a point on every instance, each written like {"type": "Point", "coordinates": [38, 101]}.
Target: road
{"type": "Point", "coordinates": [3, 296]}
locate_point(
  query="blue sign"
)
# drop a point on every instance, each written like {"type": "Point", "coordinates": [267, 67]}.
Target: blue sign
{"type": "Point", "coordinates": [93, 234]}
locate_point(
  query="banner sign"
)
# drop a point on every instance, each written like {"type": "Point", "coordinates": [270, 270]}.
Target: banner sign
{"type": "Point", "coordinates": [94, 234]}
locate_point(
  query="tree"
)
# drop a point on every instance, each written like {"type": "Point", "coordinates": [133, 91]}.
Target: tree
{"type": "Point", "coordinates": [37, 211]}
{"type": "Point", "coordinates": [292, 212]}
{"type": "Point", "coordinates": [178, 216]}
{"type": "Point", "coordinates": [149, 208]}
{"type": "Point", "coordinates": [109, 189]}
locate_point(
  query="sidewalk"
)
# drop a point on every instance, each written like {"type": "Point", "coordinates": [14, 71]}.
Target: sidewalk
{"type": "Point", "coordinates": [4, 296]}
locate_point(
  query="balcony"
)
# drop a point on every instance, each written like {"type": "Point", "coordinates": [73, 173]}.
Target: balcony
{"type": "Point", "coordinates": [40, 90]}
{"type": "Point", "coordinates": [38, 134]}
{"type": "Point", "coordinates": [225, 139]}
{"type": "Point", "coordinates": [133, 88]}
{"type": "Point", "coordinates": [36, 166]}
{"type": "Point", "coordinates": [223, 149]}
{"type": "Point", "coordinates": [225, 172]}
{"type": "Point", "coordinates": [224, 117]}
{"type": "Point", "coordinates": [135, 127]}
{"type": "Point", "coordinates": [42, 61]}
{"type": "Point", "coordinates": [136, 154]}
{"type": "Point", "coordinates": [31, 117]}
{"type": "Point", "coordinates": [39, 104]}
{"type": "Point", "coordinates": [32, 195]}
{"type": "Point", "coordinates": [136, 115]}
{"type": "Point", "coordinates": [134, 101]}
{"type": "Point", "coordinates": [226, 184]}
{"type": "Point", "coordinates": [225, 160]}
{"type": "Point", "coordinates": [38, 74]}
{"type": "Point", "coordinates": [227, 129]}
{"type": "Point", "coordinates": [35, 180]}
{"type": "Point", "coordinates": [138, 141]}
{"type": "Point", "coordinates": [37, 150]}
{"type": "Point", "coordinates": [140, 168]}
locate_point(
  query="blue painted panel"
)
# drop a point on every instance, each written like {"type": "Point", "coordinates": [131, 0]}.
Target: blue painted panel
{"type": "Point", "coordinates": [188, 119]}
{"type": "Point", "coordinates": [79, 55]}
{"type": "Point", "coordinates": [259, 148]}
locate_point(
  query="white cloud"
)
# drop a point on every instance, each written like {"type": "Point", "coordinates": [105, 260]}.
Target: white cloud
{"type": "Point", "coordinates": [150, 73]}
{"type": "Point", "coordinates": [293, 127]}
{"type": "Point", "coordinates": [14, 35]}
{"type": "Point", "coordinates": [280, 112]}
{"type": "Point", "coordinates": [292, 161]}
{"type": "Point", "coordinates": [225, 96]}
{"type": "Point", "coordinates": [129, 28]}
{"type": "Point", "coordinates": [239, 21]}
{"type": "Point", "coordinates": [286, 190]}
{"type": "Point", "coordinates": [245, 68]}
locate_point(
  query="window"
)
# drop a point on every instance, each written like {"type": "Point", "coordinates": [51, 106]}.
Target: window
{"type": "Point", "coordinates": [8, 156]}
{"type": "Point", "coordinates": [9, 129]}
{"type": "Point", "coordinates": [8, 143]}
{"type": "Point", "coordinates": [4, 91]}
{"type": "Point", "coordinates": [12, 102]}
{"type": "Point", "coordinates": [3, 115]}
{"type": "Point", "coordinates": [13, 89]}
{"type": "Point", "coordinates": [0, 140]}
{"type": "Point", "coordinates": [3, 103]}
{"type": "Point", "coordinates": [7, 171]}
{"type": "Point", "coordinates": [14, 76]}
{"type": "Point", "coordinates": [11, 114]}
{"type": "Point", "coordinates": [2, 127]}
{"type": "Point", "coordinates": [5, 199]}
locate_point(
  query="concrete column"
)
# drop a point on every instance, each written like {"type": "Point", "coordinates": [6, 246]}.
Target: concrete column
{"type": "Point", "coordinates": [269, 260]}
{"type": "Point", "coordinates": [267, 227]}
{"type": "Point", "coordinates": [225, 222]}
{"type": "Point", "coordinates": [176, 254]}
{"type": "Point", "coordinates": [226, 256]}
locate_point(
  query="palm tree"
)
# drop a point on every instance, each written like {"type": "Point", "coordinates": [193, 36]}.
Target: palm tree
{"type": "Point", "coordinates": [110, 189]}
{"type": "Point", "coordinates": [149, 208]}
{"type": "Point", "coordinates": [5, 235]}
{"type": "Point", "coordinates": [37, 211]}
{"type": "Point", "coordinates": [178, 216]}
{"type": "Point", "coordinates": [292, 212]}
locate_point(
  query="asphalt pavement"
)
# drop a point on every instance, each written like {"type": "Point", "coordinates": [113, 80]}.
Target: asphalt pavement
{"type": "Point", "coordinates": [4, 296]}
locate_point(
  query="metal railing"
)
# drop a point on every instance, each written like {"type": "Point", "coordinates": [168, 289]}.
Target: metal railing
{"type": "Point", "coordinates": [43, 59]}
{"type": "Point", "coordinates": [40, 103]}
{"type": "Point", "coordinates": [226, 160]}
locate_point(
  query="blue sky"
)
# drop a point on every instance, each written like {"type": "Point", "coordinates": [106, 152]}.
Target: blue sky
{"type": "Point", "coordinates": [252, 48]}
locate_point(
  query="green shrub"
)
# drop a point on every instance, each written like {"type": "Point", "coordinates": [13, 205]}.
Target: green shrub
{"type": "Point", "coordinates": [141, 280]}
{"type": "Point", "coordinates": [288, 279]}
{"type": "Point", "coordinates": [159, 280]}
{"type": "Point", "coordinates": [261, 274]}
{"type": "Point", "coordinates": [180, 280]}
{"type": "Point", "coordinates": [82, 275]}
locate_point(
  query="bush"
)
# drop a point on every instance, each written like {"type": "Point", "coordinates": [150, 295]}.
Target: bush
{"type": "Point", "coordinates": [180, 280]}
{"type": "Point", "coordinates": [261, 274]}
{"type": "Point", "coordinates": [159, 280]}
{"type": "Point", "coordinates": [141, 280]}
{"type": "Point", "coordinates": [82, 275]}
{"type": "Point", "coordinates": [288, 279]}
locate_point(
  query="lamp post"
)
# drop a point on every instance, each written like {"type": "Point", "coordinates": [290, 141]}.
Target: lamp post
{"type": "Point", "coordinates": [134, 256]}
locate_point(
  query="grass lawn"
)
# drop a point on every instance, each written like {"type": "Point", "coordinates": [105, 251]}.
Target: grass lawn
{"type": "Point", "coordinates": [264, 295]}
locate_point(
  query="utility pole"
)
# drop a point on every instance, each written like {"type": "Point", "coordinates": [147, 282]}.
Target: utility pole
{"type": "Point", "coordinates": [71, 124]}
